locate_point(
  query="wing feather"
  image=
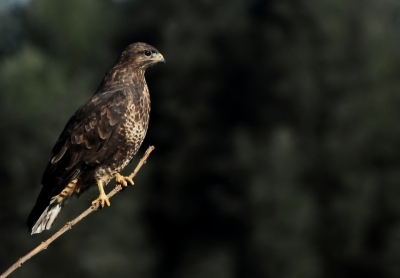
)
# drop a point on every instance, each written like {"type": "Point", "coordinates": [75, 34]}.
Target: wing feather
{"type": "Point", "coordinates": [83, 144]}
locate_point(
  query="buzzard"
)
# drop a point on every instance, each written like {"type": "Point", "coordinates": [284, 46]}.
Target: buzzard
{"type": "Point", "coordinates": [100, 139]}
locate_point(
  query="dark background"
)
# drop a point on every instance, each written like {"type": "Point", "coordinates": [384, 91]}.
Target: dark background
{"type": "Point", "coordinates": [276, 127]}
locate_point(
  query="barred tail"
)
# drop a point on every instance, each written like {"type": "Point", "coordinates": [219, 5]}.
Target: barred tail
{"type": "Point", "coordinates": [43, 213]}
{"type": "Point", "coordinates": [48, 207]}
{"type": "Point", "coordinates": [46, 219]}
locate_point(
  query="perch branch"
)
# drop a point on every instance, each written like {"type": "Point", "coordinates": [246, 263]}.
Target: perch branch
{"type": "Point", "coordinates": [72, 223]}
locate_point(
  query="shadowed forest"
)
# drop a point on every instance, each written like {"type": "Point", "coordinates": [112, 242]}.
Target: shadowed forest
{"type": "Point", "coordinates": [276, 127]}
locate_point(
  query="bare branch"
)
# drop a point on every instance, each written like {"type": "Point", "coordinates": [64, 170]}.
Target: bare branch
{"type": "Point", "coordinates": [72, 223]}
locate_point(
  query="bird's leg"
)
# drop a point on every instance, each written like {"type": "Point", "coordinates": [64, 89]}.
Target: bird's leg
{"type": "Point", "coordinates": [123, 180]}
{"type": "Point", "coordinates": [102, 199]}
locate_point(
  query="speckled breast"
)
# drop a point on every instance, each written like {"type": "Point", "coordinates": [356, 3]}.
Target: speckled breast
{"type": "Point", "coordinates": [131, 135]}
{"type": "Point", "coordinates": [135, 128]}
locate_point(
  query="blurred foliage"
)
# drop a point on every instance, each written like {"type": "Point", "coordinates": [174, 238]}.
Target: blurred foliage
{"type": "Point", "coordinates": [275, 127]}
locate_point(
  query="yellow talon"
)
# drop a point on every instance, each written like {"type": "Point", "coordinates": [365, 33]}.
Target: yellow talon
{"type": "Point", "coordinates": [102, 199]}
{"type": "Point", "coordinates": [123, 180]}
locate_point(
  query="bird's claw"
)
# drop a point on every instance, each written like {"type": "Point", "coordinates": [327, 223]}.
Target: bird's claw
{"type": "Point", "coordinates": [102, 200]}
{"type": "Point", "coordinates": [123, 180]}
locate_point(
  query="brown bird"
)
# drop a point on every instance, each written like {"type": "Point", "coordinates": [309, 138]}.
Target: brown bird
{"type": "Point", "coordinates": [100, 139]}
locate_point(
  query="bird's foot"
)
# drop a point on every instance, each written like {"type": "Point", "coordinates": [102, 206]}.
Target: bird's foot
{"type": "Point", "coordinates": [123, 180]}
{"type": "Point", "coordinates": [102, 200]}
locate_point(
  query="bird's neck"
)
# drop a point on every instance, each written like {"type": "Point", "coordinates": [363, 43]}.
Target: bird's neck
{"type": "Point", "coordinates": [120, 77]}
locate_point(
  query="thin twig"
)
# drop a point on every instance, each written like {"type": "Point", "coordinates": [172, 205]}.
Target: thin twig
{"type": "Point", "coordinates": [72, 223]}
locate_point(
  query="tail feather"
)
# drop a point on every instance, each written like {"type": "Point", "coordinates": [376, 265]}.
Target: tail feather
{"type": "Point", "coordinates": [47, 218]}
{"type": "Point", "coordinates": [48, 206]}
{"type": "Point", "coordinates": [43, 213]}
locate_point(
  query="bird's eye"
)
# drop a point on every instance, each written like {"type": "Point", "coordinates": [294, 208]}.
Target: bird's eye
{"type": "Point", "coordinates": [147, 53]}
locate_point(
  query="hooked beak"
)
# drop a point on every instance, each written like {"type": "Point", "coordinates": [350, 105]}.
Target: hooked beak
{"type": "Point", "coordinates": [159, 58]}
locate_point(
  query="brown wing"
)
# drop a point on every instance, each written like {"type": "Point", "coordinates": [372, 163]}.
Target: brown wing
{"type": "Point", "coordinates": [88, 140]}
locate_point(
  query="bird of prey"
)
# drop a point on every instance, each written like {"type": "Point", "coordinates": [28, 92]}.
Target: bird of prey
{"type": "Point", "coordinates": [100, 139]}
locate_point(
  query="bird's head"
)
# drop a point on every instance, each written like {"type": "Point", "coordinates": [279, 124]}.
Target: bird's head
{"type": "Point", "coordinates": [141, 55]}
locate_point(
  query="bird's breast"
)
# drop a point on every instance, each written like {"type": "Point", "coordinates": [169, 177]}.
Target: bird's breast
{"type": "Point", "coordinates": [131, 134]}
{"type": "Point", "coordinates": [136, 123]}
